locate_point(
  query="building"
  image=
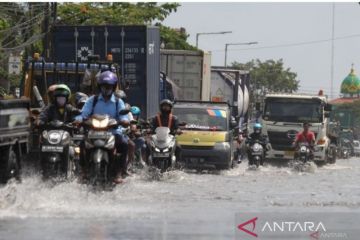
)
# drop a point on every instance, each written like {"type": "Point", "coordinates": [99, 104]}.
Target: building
{"type": "Point", "coordinates": [350, 92]}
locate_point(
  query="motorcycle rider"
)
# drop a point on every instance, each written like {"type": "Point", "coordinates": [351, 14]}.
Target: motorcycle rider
{"type": "Point", "coordinates": [165, 118]}
{"type": "Point", "coordinates": [256, 135]}
{"type": "Point", "coordinates": [59, 108]}
{"type": "Point", "coordinates": [135, 132]}
{"type": "Point", "coordinates": [306, 136]}
{"type": "Point", "coordinates": [106, 103]}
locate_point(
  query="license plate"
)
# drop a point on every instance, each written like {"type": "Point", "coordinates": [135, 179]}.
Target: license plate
{"type": "Point", "coordinates": [196, 160]}
{"type": "Point", "coordinates": [78, 137]}
{"type": "Point", "coordinates": [52, 149]}
{"type": "Point", "coordinates": [161, 155]}
{"type": "Point", "coordinates": [98, 135]}
{"type": "Point", "coordinates": [289, 153]}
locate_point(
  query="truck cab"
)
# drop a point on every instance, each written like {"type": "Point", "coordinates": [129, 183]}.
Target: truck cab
{"type": "Point", "coordinates": [207, 140]}
{"type": "Point", "coordinates": [14, 136]}
{"type": "Point", "coordinates": [282, 118]}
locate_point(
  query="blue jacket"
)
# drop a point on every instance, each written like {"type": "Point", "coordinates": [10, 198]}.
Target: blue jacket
{"type": "Point", "coordinates": [102, 107]}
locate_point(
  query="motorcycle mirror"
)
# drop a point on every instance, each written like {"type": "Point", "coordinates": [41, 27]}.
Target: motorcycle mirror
{"type": "Point", "coordinates": [124, 112]}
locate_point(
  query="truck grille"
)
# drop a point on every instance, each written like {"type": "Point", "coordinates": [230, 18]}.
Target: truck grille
{"type": "Point", "coordinates": [279, 141]}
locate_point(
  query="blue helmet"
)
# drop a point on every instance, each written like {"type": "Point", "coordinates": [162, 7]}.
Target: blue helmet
{"type": "Point", "coordinates": [108, 78]}
{"type": "Point", "coordinates": [257, 128]}
{"type": "Point", "coordinates": [135, 110]}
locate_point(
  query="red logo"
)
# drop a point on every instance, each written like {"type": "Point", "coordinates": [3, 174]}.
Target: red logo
{"type": "Point", "coordinates": [315, 235]}
{"type": "Point", "coordinates": [251, 221]}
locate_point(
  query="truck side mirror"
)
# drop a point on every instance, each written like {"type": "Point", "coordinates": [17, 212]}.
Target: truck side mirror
{"type": "Point", "coordinates": [257, 106]}
{"type": "Point", "coordinates": [328, 107]}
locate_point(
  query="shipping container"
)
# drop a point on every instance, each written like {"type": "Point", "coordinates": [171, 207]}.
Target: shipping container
{"type": "Point", "coordinates": [136, 50]}
{"type": "Point", "coordinates": [190, 71]}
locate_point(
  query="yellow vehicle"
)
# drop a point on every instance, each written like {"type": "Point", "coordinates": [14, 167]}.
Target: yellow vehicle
{"type": "Point", "coordinates": [208, 138]}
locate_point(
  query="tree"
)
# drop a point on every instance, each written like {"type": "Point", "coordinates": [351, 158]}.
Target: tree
{"type": "Point", "coordinates": [269, 76]}
{"type": "Point", "coordinates": [143, 13]}
{"type": "Point", "coordinates": [20, 28]}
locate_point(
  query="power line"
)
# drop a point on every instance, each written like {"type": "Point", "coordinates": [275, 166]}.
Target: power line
{"type": "Point", "coordinates": [292, 44]}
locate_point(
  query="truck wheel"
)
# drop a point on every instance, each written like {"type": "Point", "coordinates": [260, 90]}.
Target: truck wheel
{"type": "Point", "coordinates": [10, 164]}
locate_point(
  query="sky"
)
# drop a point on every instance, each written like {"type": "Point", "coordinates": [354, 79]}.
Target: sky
{"type": "Point", "coordinates": [274, 24]}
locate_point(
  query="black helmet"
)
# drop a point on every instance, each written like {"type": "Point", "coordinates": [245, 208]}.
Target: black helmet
{"type": "Point", "coordinates": [167, 102]}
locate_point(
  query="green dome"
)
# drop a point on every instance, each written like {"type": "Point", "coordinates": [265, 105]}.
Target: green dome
{"type": "Point", "coordinates": [351, 84]}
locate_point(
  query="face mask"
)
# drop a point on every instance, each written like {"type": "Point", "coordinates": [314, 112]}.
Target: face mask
{"type": "Point", "coordinates": [106, 91]}
{"type": "Point", "coordinates": [61, 101]}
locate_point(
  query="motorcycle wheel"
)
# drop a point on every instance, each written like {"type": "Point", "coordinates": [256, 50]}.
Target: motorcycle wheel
{"type": "Point", "coordinates": [98, 174]}
{"type": "Point", "coordinates": [257, 162]}
{"type": "Point", "coordinates": [51, 170]}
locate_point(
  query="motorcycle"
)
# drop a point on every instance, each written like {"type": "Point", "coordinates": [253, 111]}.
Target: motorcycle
{"type": "Point", "coordinates": [57, 150]}
{"type": "Point", "coordinates": [162, 149]}
{"type": "Point", "coordinates": [256, 153]}
{"type": "Point", "coordinates": [100, 148]}
{"type": "Point", "coordinates": [303, 153]}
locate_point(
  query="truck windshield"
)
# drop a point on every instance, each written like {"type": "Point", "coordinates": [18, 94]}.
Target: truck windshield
{"type": "Point", "coordinates": [203, 119]}
{"type": "Point", "coordinates": [293, 110]}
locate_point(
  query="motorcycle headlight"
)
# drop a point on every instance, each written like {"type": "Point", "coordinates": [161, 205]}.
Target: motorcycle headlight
{"type": "Point", "coordinates": [303, 149]}
{"type": "Point", "coordinates": [157, 150]}
{"type": "Point", "coordinates": [166, 150]}
{"type": "Point", "coordinates": [99, 123]}
{"type": "Point", "coordinates": [257, 147]}
{"type": "Point", "coordinates": [77, 150]}
{"type": "Point", "coordinates": [54, 137]}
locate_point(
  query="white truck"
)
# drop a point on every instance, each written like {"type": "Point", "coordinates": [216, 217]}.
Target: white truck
{"type": "Point", "coordinates": [282, 118]}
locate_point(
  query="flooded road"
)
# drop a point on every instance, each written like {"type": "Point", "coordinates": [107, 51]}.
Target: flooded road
{"type": "Point", "coordinates": [181, 205]}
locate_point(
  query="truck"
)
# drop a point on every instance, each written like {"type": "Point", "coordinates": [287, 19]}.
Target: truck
{"type": "Point", "coordinates": [282, 118]}
{"type": "Point", "coordinates": [190, 71]}
{"type": "Point", "coordinates": [134, 52]}
{"type": "Point", "coordinates": [232, 86]}
{"type": "Point", "coordinates": [207, 140]}
{"type": "Point", "coordinates": [14, 136]}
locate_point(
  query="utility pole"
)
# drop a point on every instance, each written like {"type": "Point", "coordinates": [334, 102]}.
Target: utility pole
{"type": "Point", "coordinates": [46, 28]}
{"type": "Point", "coordinates": [332, 51]}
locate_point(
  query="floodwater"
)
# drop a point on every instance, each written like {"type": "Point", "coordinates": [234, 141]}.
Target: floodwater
{"type": "Point", "coordinates": [179, 205]}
